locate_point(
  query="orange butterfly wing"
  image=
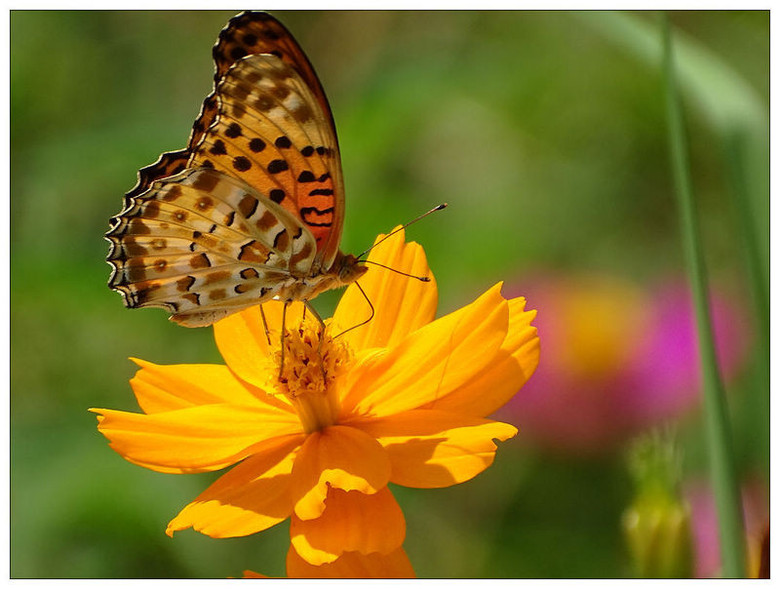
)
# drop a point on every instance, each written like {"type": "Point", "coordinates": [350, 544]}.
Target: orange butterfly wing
{"type": "Point", "coordinates": [253, 33]}
{"type": "Point", "coordinates": [253, 208]}
{"type": "Point", "coordinates": [270, 133]}
{"type": "Point", "coordinates": [250, 33]}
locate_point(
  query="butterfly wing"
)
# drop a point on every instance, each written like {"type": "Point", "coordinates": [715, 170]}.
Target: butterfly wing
{"type": "Point", "coordinates": [250, 33]}
{"type": "Point", "coordinates": [271, 132]}
{"type": "Point", "coordinates": [203, 244]}
{"type": "Point", "coordinates": [245, 34]}
{"type": "Point", "coordinates": [254, 202]}
{"type": "Point", "coordinates": [169, 163]}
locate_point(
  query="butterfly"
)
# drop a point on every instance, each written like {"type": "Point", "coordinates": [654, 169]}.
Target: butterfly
{"type": "Point", "coordinates": [253, 208]}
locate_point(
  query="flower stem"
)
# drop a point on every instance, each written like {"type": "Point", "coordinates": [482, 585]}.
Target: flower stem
{"type": "Point", "coordinates": [736, 153]}
{"type": "Point", "coordinates": [718, 432]}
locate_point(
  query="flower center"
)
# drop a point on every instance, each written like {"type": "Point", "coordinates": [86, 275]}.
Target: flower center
{"type": "Point", "coordinates": [307, 371]}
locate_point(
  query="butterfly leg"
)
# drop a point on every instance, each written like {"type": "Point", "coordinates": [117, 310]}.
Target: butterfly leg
{"type": "Point", "coordinates": [281, 342]}
{"type": "Point", "coordinates": [265, 326]}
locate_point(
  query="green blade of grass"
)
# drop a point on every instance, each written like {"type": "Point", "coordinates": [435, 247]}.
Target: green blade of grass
{"type": "Point", "coordinates": [757, 405]}
{"type": "Point", "coordinates": [726, 489]}
{"type": "Point", "coordinates": [722, 98]}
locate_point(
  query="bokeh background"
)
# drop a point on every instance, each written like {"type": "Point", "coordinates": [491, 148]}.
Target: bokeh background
{"type": "Point", "coordinates": [544, 131]}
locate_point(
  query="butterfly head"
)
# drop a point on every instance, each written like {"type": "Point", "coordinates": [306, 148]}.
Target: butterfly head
{"type": "Point", "coordinates": [350, 268]}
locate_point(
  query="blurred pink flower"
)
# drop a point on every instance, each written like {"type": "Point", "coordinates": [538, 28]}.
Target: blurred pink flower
{"type": "Point", "coordinates": [755, 509]}
{"type": "Point", "coordinates": [615, 359]}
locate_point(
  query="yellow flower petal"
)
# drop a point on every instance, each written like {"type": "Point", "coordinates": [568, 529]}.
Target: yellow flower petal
{"type": "Point", "coordinates": [353, 565]}
{"type": "Point", "coordinates": [431, 362]}
{"type": "Point", "coordinates": [430, 448]}
{"type": "Point", "coordinates": [242, 340]}
{"type": "Point", "coordinates": [401, 304]}
{"type": "Point", "coordinates": [498, 382]}
{"type": "Point", "coordinates": [352, 522]}
{"type": "Point", "coordinates": [196, 439]}
{"type": "Point", "coordinates": [339, 457]}
{"type": "Point", "coordinates": [165, 388]}
{"type": "Point", "coordinates": [252, 497]}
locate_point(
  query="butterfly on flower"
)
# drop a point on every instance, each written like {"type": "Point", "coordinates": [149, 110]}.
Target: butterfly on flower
{"type": "Point", "coordinates": [252, 209]}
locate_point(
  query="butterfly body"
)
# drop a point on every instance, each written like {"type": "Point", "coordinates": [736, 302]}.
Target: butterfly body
{"type": "Point", "coordinates": [253, 208]}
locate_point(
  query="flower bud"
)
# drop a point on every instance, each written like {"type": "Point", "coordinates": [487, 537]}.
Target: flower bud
{"type": "Point", "coordinates": [657, 524]}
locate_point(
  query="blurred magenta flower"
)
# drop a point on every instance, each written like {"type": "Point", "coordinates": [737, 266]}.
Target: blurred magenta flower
{"type": "Point", "coordinates": [616, 358]}
{"type": "Point", "coordinates": [755, 510]}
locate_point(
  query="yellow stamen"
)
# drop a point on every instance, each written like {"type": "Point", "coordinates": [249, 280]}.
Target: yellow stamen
{"type": "Point", "coordinates": [309, 371]}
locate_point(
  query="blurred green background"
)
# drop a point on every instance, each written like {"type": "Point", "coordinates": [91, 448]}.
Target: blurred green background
{"type": "Point", "coordinates": [544, 131]}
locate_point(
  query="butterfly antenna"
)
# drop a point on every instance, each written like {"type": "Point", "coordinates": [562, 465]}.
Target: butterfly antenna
{"type": "Point", "coordinates": [420, 278]}
{"type": "Point", "coordinates": [401, 228]}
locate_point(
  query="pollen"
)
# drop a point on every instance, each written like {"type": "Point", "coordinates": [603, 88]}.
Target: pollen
{"type": "Point", "coordinates": [308, 370]}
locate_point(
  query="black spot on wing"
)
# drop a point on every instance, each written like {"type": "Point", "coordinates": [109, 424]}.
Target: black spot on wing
{"type": "Point", "coordinates": [313, 216]}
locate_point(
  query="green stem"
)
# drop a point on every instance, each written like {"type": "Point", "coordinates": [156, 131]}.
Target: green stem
{"type": "Point", "coordinates": [726, 489]}
{"type": "Point", "coordinates": [758, 406]}
{"type": "Point", "coordinates": [735, 155]}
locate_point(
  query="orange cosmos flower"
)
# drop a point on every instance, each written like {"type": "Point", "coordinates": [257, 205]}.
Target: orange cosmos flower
{"type": "Point", "coordinates": [350, 565]}
{"type": "Point", "coordinates": [401, 399]}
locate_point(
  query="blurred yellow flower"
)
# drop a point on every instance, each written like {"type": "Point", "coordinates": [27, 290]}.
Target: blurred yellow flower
{"type": "Point", "coordinates": [401, 399]}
